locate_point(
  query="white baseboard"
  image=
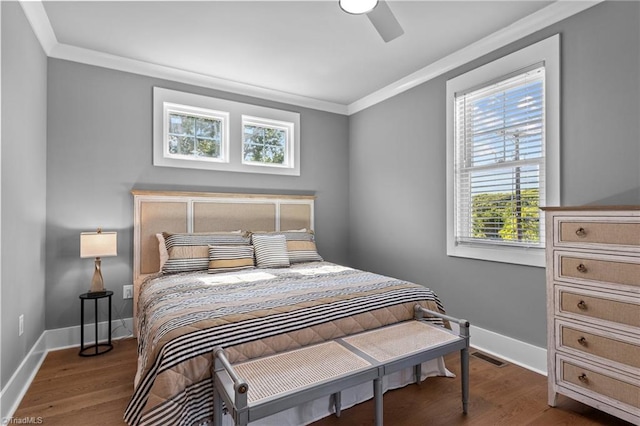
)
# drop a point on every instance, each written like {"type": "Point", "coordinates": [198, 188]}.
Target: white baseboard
{"type": "Point", "coordinates": [17, 386]}
{"type": "Point", "coordinates": [517, 352]}
{"type": "Point", "coordinates": [51, 340]}
{"type": "Point", "coordinates": [61, 338]}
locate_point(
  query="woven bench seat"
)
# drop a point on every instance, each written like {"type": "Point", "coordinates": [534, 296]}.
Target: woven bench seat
{"type": "Point", "coordinates": [258, 388]}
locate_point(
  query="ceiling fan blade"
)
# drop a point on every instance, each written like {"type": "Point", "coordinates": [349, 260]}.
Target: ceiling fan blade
{"type": "Point", "coordinates": [385, 22]}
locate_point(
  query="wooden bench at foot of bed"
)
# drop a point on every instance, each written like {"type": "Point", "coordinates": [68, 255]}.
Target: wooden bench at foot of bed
{"type": "Point", "coordinates": [261, 387]}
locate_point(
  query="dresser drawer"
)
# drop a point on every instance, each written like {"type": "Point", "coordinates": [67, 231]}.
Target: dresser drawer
{"type": "Point", "coordinates": [608, 348]}
{"type": "Point", "coordinates": [615, 231]}
{"type": "Point", "coordinates": [603, 308]}
{"type": "Point", "coordinates": [604, 269]}
{"type": "Point", "coordinates": [597, 384]}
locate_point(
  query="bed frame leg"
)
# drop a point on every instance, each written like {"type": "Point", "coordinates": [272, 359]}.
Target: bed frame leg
{"type": "Point", "coordinates": [337, 403]}
{"type": "Point", "coordinates": [377, 397]}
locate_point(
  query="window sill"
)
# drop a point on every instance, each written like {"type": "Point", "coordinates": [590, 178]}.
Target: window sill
{"type": "Point", "coordinates": [517, 256]}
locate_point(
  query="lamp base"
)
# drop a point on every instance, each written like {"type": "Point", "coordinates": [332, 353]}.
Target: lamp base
{"type": "Point", "coordinates": [97, 284]}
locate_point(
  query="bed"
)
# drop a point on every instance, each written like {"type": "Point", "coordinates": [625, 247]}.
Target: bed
{"type": "Point", "coordinates": [202, 280]}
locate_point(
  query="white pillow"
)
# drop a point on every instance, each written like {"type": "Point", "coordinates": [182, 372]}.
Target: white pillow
{"type": "Point", "coordinates": [271, 251]}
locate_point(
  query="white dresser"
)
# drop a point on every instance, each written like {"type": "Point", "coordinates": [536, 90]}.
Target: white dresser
{"type": "Point", "coordinates": [593, 307]}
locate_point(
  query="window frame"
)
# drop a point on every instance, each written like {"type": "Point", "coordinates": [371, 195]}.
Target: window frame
{"type": "Point", "coordinates": [286, 126]}
{"type": "Point", "coordinates": [190, 111]}
{"type": "Point", "coordinates": [234, 112]}
{"type": "Point", "coordinates": [547, 52]}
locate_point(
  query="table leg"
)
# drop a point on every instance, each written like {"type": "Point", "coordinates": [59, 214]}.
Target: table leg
{"type": "Point", "coordinates": [109, 324]}
{"type": "Point", "coordinates": [81, 325]}
{"type": "Point", "coordinates": [96, 322]}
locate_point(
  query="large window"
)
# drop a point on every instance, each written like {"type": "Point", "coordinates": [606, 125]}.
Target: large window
{"type": "Point", "coordinates": [201, 132]}
{"type": "Point", "coordinates": [502, 144]}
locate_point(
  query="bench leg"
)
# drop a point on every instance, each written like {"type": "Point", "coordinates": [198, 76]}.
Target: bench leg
{"type": "Point", "coordinates": [464, 372]}
{"type": "Point", "coordinates": [377, 396]}
{"type": "Point", "coordinates": [337, 403]}
{"type": "Point", "coordinates": [417, 373]}
{"type": "Point", "coordinates": [217, 408]}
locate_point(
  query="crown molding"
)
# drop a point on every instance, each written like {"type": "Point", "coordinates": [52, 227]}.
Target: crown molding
{"type": "Point", "coordinates": [39, 20]}
{"type": "Point", "coordinates": [528, 25]}
{"type": "Point", "coordinates": [106, 60]}
{"type": "Point", "coordinates": [555, 12]}
{"type": "Point", "coordinates": [37, 17]}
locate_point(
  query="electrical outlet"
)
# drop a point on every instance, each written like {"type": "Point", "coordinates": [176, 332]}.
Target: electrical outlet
{"type": "Point", "coordinates": [20, 325]}
{"type": "Point", "coordinates": [127, 291]}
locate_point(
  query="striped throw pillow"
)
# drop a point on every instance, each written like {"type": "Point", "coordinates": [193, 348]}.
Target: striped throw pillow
{"type": "Point", "coordinates": [190, 252]}
{"type": "Point", "coordinates": [301, 246]}
{"type": "Point", "coordinates": [230, 258]}
{"type": "Point", "coordinates": [271, 251]}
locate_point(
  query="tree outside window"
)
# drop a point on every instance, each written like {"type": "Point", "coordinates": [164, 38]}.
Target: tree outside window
{"type": "Point", "coordinates": [264, 144]}
{"type": "Point", "coordinates": [194, 136]}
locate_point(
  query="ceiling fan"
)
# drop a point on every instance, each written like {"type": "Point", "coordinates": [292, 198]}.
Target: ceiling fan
{"type": "Point", "coordinates": [379, 14]}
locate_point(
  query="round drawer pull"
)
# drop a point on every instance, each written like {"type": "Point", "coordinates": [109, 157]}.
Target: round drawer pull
{"type": "Point", "coordinates": [583, 341]}
{"type": "Point", "coordinates": [583, 378]}
{"type": "Point", "coordinates": [581, 232]}
{"type": "Point", "coordinates": [582, 268]}
{"type": "Point", "coordinates": [582, 305]}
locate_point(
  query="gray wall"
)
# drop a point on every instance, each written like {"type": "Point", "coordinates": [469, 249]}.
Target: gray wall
{"type": "Point", "coordinates": [397, 171]}
{"type": "Point", "coordinates": [24, 91]}
{"type": "Point", "coordinates": [100, 147]}
{"type": "Point", "coordinates": [95, 125]}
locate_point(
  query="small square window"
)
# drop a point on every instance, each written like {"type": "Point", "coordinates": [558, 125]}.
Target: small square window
{"type": "Point", "coordinates": [267, 142]}
{"type": "Point", "coordinates": [194, 133]}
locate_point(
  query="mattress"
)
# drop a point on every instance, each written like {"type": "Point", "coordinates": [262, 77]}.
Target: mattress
{"type": "Point", "coordinates": [252, 313]}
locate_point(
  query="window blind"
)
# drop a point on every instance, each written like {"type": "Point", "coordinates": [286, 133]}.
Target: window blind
{"type": "Point", "coordinates": [499, 161]}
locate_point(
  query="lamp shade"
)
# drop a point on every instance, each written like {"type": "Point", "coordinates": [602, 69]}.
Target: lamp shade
{"type": "Point", "coordinates": [98, 244]}
{"type": "Point", "coordinates": [357, 7]}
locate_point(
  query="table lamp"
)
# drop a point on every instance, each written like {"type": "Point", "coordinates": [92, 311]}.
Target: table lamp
{"type": "Point", "coordinates": [98, 244]}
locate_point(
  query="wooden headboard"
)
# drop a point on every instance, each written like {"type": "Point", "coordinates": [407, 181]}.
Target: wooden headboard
{"type": "Point", "coordinates": [161, 211]}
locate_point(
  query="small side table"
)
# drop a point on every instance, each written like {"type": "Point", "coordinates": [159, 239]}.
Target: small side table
{"type": "Point", "coordinates": [97, 348]}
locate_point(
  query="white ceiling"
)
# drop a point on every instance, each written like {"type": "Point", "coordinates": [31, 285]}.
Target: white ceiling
{"type": "Point", "coordinates": [310, 49]}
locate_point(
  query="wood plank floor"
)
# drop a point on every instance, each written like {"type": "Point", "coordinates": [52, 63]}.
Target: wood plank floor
{"type": "Point", "coordinates": [70, 390]}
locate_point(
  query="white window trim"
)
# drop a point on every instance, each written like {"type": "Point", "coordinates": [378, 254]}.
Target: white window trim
{"type": "Point", "coordinates": [548, 52]}
{"type": "Point", "coordinates": [288, 128]}
{"type": "Point", "coordinates": [234, 133]}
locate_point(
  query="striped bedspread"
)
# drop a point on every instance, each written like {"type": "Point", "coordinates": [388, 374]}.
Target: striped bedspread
{"type": "Point", "coordinates": [252, 313]}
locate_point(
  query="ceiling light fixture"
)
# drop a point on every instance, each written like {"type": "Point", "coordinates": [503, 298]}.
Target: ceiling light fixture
{"type": "Point", "coordinates": [357, 7]}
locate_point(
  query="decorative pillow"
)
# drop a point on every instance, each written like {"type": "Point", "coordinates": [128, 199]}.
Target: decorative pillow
{"type": "Point", "coordinates": [301, 245]}
{"type": "Point", "coordinates": [162, 248]}
{"type": "Point", "coordinates": [271, 251]}
{"type": "Point", "coordinates": [190, 252]}
{"type": "Point", "coordinates": [230, 258]}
